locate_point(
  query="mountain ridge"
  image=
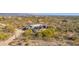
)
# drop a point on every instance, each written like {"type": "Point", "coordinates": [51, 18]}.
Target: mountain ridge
{"type": "Point", "coordinates": [39, 14]}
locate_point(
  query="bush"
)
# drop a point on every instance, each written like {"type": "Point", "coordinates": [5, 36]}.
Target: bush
{"type": "Point", "coordinates": [9, 28]}
{"type": "Point", "coordinates": [38, 34]}
{"type": "Point", "coordinates": [3, 36]}
{"type": "Point", "coordinates": [48, 32]}
{"type": "Point", "coordinates": [27, 33]}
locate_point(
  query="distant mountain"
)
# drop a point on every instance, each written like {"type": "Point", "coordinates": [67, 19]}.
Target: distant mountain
{"type": "Point", "coordinates": [56, 14]}
{"type": "Point", "coordinates": [15, 14]}
{"type": "Point", "coordinates": [39, 14]}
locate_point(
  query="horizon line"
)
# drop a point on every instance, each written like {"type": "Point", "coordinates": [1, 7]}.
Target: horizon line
{"type": "Point", "coordinates": [39, 14]}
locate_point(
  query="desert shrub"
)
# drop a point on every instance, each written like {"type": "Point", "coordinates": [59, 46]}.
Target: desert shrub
{"type": "Point", "coordinates": [3, 36]}
{"type": "Point", "coordinates": [1, 18]}
{"type": "Point", "coordinates": [48, 32]}
{"type": "Point", "coordinates": [19, 18]}
{"type": "Point", "coordinates": [76, 42]}
{"type": "Point", "coordinates": [38, 34]}
{"type": "Point", "coordinates": [9, 28]}
{"type": "Point", "coordinates": [71, 37]}
{"type": "Point", "coordinates": [19, 42]}
{"type": "Point", "coordinates": [27, 33]}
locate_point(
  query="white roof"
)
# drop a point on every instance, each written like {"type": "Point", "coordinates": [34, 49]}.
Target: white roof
{"type": "Point", "coordinates": [35, 25]}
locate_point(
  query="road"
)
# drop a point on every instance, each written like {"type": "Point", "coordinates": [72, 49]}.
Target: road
{"type": "Point", "coordinates": [17, 33]}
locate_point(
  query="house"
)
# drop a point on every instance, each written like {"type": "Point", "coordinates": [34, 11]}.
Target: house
{"type": "Point", "coordinates": [35, 27]}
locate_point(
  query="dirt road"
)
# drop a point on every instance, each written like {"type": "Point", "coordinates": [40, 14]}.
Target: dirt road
{"type": "Point", "coordinates": [18, 32]}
